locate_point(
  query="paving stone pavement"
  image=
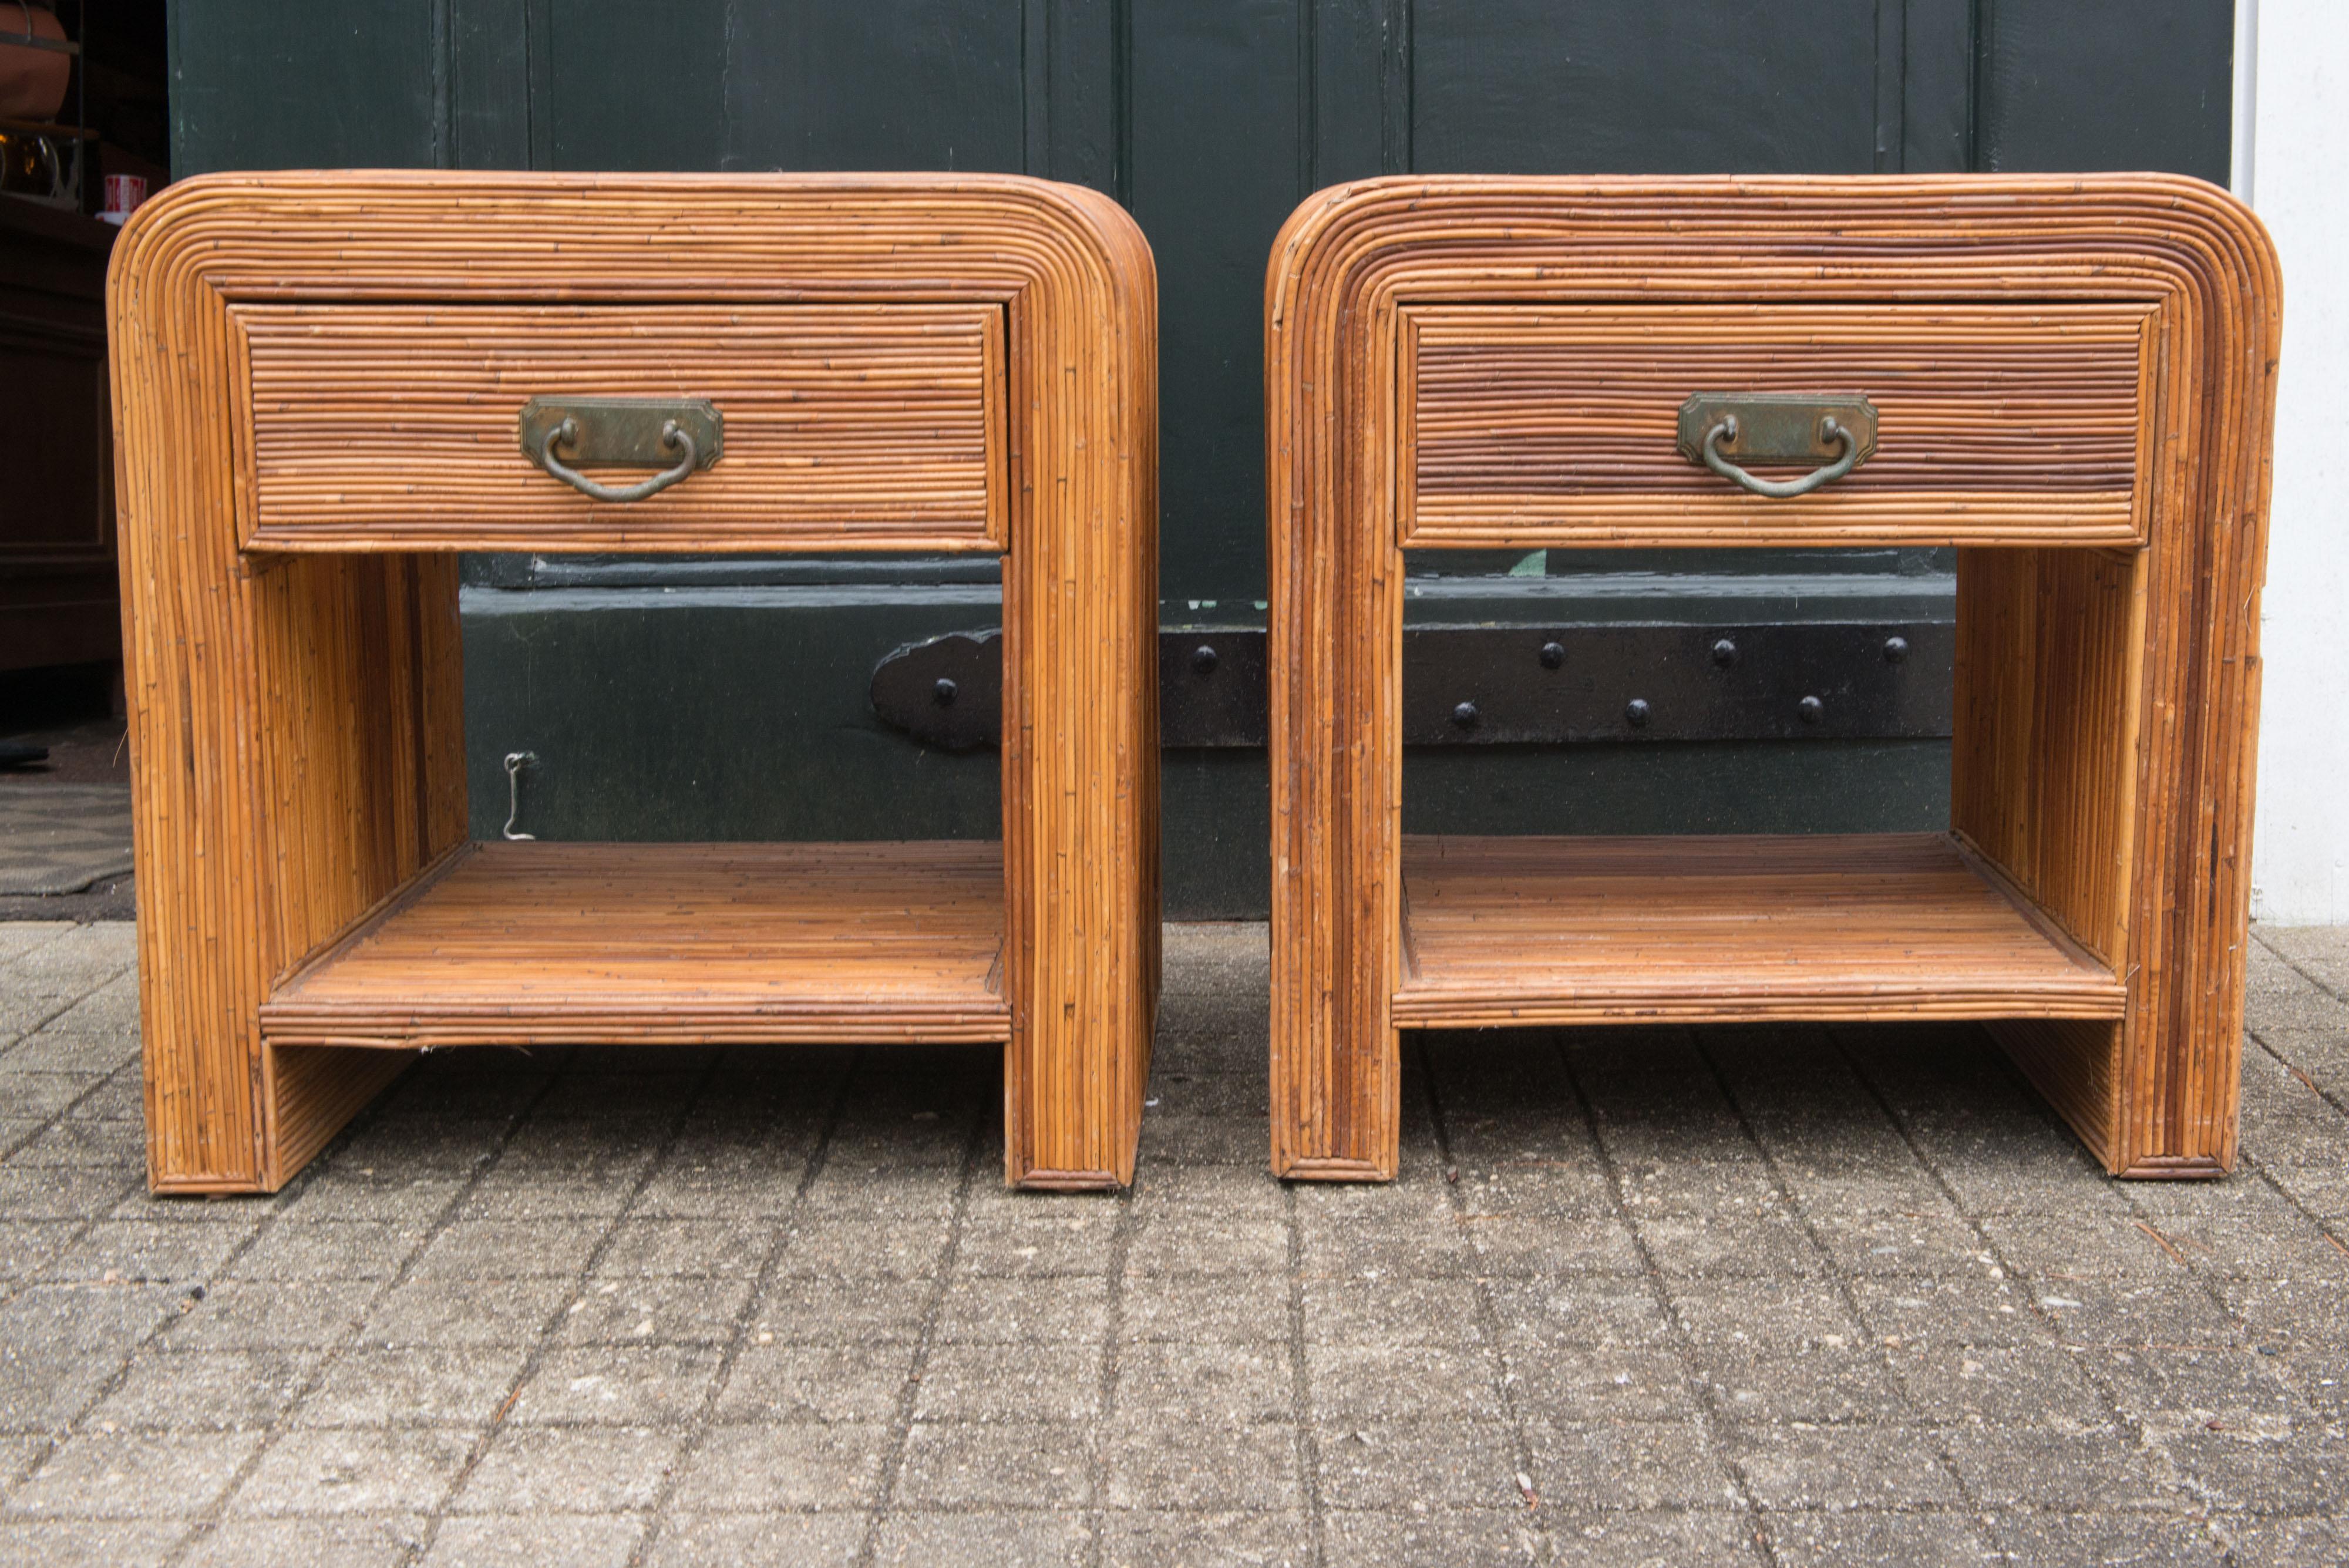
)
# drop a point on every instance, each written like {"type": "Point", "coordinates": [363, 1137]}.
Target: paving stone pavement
{"type": "Point", "coordinates": [62, 837]}
{"type": "Point", "coordinates": [1770, 1295]}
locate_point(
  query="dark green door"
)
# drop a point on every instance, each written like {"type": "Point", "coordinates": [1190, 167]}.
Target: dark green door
{"type": "Point", "coordinates": [729, 699]}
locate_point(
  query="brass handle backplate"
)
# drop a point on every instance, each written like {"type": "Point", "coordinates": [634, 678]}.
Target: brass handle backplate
{"type": "Point", "coordinates": [1725, 431]}
{"type": "Point", "coordinates": [564, 435]}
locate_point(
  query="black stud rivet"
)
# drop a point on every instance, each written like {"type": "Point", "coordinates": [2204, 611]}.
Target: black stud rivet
{"type": "Point", "coordinates": [1636, 710]}
{"type": "Point", "coordinates": [1553, 654]}
{"type": "Point", "coordinates": [943, 693]}
{"type": "Point", "coordinates": [1812, 709]}
{"type": "Point", "coordinates": [1203, 659]}
{"type": "Point", "coordinates": [1896, 648]}
{"type": "Point", "coordinates": [1724, 653]}
{"type": "Point", "coordinates": [1464, 715]}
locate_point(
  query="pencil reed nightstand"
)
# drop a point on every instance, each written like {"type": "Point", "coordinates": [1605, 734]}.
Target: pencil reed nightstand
{"type": "Point", "coordinates": [2069, 379]}
{"type": "Point", "coordinates": [328, 384]}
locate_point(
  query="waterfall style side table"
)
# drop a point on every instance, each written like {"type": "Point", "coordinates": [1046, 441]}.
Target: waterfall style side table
{"type": "Point", "coordinates": [327, 385]}
{"type": "Point", "coordinates": [2070, 381]}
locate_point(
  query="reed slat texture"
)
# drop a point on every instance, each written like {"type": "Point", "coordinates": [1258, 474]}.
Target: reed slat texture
{"type": "Point", "coordinates": [2049, 674]}
{"type": "Point", "coordinates": [846, 427]}
{"type": "Point", "coordinates": [668, 943]}
{"type": "Point", "coordinates": [1533, 428]}
{"type": "Point", "coordinates": [297, 726]}
{"type": "Point", "coordinates": [1540, 930]}
{"type": "Point", "coordinates": [2076, 378]}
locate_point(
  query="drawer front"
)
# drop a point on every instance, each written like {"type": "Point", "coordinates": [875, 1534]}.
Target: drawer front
{"type": "Point", "coordinates": [1558, 425]}
{"type": "Point", "coordinates": [844, 427]}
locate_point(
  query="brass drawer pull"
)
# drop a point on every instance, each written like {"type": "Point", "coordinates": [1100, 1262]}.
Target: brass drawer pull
{"type": "Point", "coordinates": [618, 431]}
{"type": "Point", "coordinates": [1778, 427]}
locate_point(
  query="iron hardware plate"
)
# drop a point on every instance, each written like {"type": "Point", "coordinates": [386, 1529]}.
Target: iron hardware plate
{"type": "Point", "coordinates": [1211, 688]}
{"type": "Point", "coordinates": [1519, 685]}
{"type": "Point", "coordinates": [1778, 427]}
{"type": "Point", "coordinates": [622, 432]}
{"type": "Point", "coordinates": [1788, 680]}
{"type": "Point", "coordinates": [947, 692]}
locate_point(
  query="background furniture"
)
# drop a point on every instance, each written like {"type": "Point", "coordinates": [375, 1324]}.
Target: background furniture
{"type": "Point", "coordinates": [318, 379]}
{"type": "Point", "coordinates": [57, 593]}
{"type": "Point", "coordinates": [102, 111]}
{"type": "Point", "coordinates": [2074, 380]}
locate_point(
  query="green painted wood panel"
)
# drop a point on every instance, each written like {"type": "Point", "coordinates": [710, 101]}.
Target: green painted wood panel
{"type": "Point", "coordinates": [2105, 84]}
{"type": "Point", "coordinates": [1533, 87]}
{"type": "Point", "coordinates": [634, 87]}
{"type": "Point", "coordinates": [878, 84]}
{"type": "Point", "coordinates": [276, 83]}
{"type": "Point", "coordinates": [489, 54]}
{"type": "Point", "coordinates": [1216, 171]}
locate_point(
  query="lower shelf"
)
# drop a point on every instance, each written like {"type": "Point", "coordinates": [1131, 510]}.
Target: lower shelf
{"type": "Point", "coordinates": [668, 943]}
{"type": "Point", "coordinates": [1501, 931]}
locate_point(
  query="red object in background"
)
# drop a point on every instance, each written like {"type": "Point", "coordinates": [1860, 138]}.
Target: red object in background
{"type": "Point", "coordinates": [33, 79]}
{"type": "Point", "coordinates": [123, 195]}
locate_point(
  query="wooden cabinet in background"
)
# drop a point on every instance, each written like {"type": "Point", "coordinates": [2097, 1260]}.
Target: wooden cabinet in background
{"type": "Point", "coordinates": [59, 601]}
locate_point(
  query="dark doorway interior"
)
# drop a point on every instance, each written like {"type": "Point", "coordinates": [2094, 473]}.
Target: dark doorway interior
{"type": "Point", "coordinates": [61, 622]}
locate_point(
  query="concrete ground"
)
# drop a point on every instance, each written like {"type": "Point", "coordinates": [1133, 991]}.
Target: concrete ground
{"type": "Point", "coordinates": [1782, 1295]}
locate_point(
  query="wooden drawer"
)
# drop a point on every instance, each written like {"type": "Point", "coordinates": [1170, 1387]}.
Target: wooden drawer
{"type": "Point", "coordinates": [1552, 425]}
{"type": "Point", "coordinates": [846, 427]}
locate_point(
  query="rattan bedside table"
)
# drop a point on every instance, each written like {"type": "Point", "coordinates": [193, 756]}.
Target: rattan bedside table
{"type": "Point", "coordinates": [327, 385]}
{"type": "Point", "coordinates": [2069, 379]}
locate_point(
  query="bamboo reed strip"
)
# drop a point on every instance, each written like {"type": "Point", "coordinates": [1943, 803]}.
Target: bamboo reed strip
{"type": "Point", "coordinates": [1850, 927]}
{"type": "Point", "coordinates": [862, 426]}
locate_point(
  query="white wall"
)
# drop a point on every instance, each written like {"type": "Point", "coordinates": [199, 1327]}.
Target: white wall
{"type": "Point", "coordinates": [2291, 163]}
